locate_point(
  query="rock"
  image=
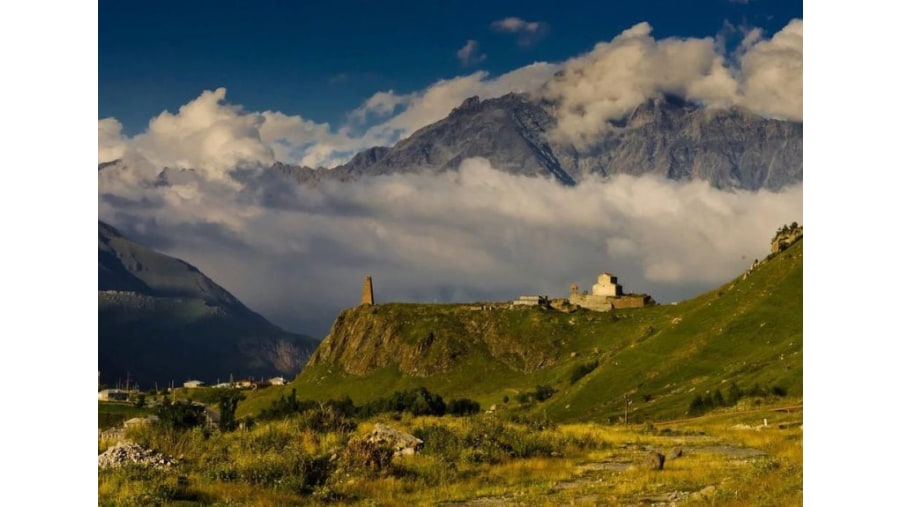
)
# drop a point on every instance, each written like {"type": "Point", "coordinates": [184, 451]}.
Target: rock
{"type": "Point", "coordinates": [130, 453]}
{"type": "Point", "coordinates": [707, 492]}
{"type": "Point", "coordinates": [653, 461]}
{"type": "Point", "coordinates": [402, 443]}
{"type": "Point", "coordinates": [675, 453]}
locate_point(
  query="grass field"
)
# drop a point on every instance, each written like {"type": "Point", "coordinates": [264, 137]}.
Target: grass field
{"type": "Point", "coordinates": [728, 458]}
{"type": "Point", "coordinates": [111, 413]}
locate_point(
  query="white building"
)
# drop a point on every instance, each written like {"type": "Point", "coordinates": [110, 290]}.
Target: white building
{"type": "Point", "coordinates": [112, 395]}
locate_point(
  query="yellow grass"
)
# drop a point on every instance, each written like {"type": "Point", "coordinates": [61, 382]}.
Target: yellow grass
{"type": "Point", "coordinates": [590, 465]}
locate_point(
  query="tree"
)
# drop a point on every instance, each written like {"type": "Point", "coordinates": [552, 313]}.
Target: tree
{"type": "Point", "coordinates": [228, 402]}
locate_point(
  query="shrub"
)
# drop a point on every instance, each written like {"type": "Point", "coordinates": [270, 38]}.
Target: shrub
{"type": "Point", "coordinates": [368, 456]}
{"type": "Point", "coordinates": [181, 415]}
{"type": "Point", "coordinates": [418, 401]}
{"type": "Point", "coordinates": [778, 390]}
{"type": "Point", "coordinates": [581, 370]}
{"type": "Point", "coordinates": [286, 405]}
{"type": "Point", "coordinates": [540, 393]}
{"type": "Point", "coordinates": [463, 406]}
{"type": "Point", "coordinates": [228, 402]}
{"type": "Point", "coordinates": [328, 418]}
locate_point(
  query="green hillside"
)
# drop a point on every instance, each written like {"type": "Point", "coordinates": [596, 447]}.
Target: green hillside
{"type": "Point", "coordinates": [748, 332]}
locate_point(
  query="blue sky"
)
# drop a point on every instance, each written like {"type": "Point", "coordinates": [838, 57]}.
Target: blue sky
{"type": "Point", "coordinates": [323, 59]}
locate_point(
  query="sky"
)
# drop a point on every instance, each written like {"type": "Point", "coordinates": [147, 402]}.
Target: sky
{"type": "Point", "coordinates": [210, 89]}
{"type": "Point", "coordinates": [323, 59]}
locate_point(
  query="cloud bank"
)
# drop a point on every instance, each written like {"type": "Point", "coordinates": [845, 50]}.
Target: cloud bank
{"type": "Point", "coordinates": [298, 254]}
{"type": "Point", "coordinates": [617, 76]}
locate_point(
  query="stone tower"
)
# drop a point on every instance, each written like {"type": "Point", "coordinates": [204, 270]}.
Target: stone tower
{"type": "Point", "coordinates": [368, 296]}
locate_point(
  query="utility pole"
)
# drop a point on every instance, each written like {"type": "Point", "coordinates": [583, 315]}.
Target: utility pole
{"type": "Point", "coordinates": [627, 402]}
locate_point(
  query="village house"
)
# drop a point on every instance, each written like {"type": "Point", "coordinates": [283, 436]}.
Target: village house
{"type": "Point", "coordinates": [531, 301]}
{"type": "Point", "coordinates": [193, 384]}
{"type": "Point", "coordinates": [112, 395]}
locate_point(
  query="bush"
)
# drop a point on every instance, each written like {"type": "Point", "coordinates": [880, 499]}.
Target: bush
{"type": "Point", "coordinates": [463, 406]}
{"type": "Point", "coordinates": [228, 401]}
{"type": "Point", "coordinates": [540, 393]}
{"type": "Point", "coordinates": [581, 370]}
{"type": "Point", "coordinates": [286, 405]}
{"type": "Point", "coordinates": [418, 401]}
{"type": "Point", "coordinates": [328, 418]}
{"type": "Point", "coordinates": [181, 415]}
{"type": "Point", "coordinates": [368, 456]}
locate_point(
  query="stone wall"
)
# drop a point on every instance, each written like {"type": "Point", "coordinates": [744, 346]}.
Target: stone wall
{"type": "Point", "coordinates": [606, 303]}
{"type": "Point", "coordinates": [631, 301]}
{"type": "Point", "coordinates": [591, 302]}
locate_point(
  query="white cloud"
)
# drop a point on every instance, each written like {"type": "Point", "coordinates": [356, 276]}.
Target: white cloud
{"type": "Point", "coordinates": [473, 234]}
{"type": "Point", "coordinates": [529, 32]}
{"type": "Point", "coordinates": [112, 144]}
{"type": "Point", "coordinates": [616, 76]}
{"type": "Point", "coordinates": [469, 55]}
{"type": "Point", "coordinates": [211, 135]}
{"type": "Point", "coordinates": [205, 134]}
{"type": "Point", "coordinates": [773, 73]}
{"type": "Point", "coordinates": [439, 99]}
{"type": "Point", "coordinates": [379, 105]}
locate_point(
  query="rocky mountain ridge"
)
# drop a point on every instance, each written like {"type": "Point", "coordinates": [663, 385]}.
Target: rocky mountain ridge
{"type": "Point", "coordinates": [665, 136]}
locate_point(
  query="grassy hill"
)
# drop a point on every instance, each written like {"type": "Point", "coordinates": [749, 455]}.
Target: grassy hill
{"type": "Point", "coordinates": [748, 332]}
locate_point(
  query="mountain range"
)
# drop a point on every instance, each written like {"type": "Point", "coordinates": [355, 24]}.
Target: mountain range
{"type": "Point", "coordinates": [729, 148]}
{"type": "Point", "coordinates": [162, 320]}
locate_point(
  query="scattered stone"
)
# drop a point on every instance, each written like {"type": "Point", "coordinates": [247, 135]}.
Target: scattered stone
{"type": "Point", "coordinates": [130, 453]}
{"type": "Point", "coordinates": [676, 453]}
{"type": "Point", "coordinates": [653, 461]}
{"type": "Point", "coordinates": [402, 443]}
{"type": "Point", "coordinates": [707, 492]}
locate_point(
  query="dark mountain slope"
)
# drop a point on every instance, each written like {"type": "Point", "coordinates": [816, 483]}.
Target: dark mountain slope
{"type": "Point", "coordinates": [162, 320]}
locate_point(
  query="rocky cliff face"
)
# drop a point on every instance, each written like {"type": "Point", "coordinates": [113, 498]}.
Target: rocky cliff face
{"type": "Point", "coordinates": [786, 236]}
{"type": "Point", "coordinates": [161, 320]}
{"type": "Point", "coordinates": [729, 148]}
{"type": "Point", "coordinates": [422, 340]}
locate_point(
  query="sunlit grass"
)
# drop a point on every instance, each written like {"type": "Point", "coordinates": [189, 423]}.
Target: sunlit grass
{"type": "Point", "coordinates": [573, 464]}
